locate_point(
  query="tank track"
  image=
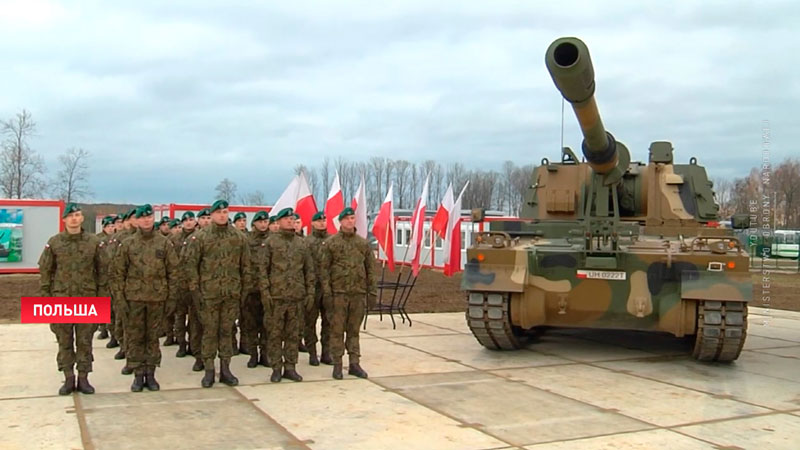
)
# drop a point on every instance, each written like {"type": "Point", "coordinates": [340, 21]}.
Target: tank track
{"type": "Point", "coordinates": [721, 330]}
{"type": "Point", "coordinates": [490, 322]}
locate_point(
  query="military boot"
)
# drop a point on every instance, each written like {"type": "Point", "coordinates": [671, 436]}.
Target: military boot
{"type": "Point", "coordinates": [112, 343]}
{"type": "Point", "coordinates": [181, 350]}
{"type": "Point", "coordinates": [150, 379]}
{"type": "Point", "coordinates": [312, 359]}
{"type": "Point", "coordinates": [291, 374]}
{"type": "Point", "coordinates": [356, 370]}
{"type": "Point", "coordinates": [253, 361]}
{"type": "Point", "coordinates": [198, 365]}
{"type": "Point", "coordinates": [103, 334]}
{"type": "Point", "coordinates": [169, 341]}
{"type": "Point", "coordinates": [208, 379]}
{"type": "Point", "coordinates": [225, 374]}
{"type": "Point", "coordinates": [302, 347]}
{"type": "Point", "coordinates": [83, 383]}
{"type": "Point", "coordinates": [120, 354]}
{"type": "Point", "coordinates": [138, 381]}
{"type": "Point", "coordinates": [69, 383]}
{"type": "Point", "coordinates": [326, 358]}
{"type": "Point", "coordinates": [337, 372]}
{"type": "Point", "coordinates": [276, 376]}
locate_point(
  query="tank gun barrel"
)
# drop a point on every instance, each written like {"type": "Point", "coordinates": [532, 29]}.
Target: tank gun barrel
{"type": "Point", "coordinates": [570, 66]}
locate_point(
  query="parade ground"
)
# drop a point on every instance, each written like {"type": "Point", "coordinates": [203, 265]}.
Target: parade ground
{"type": "Point", "coordinates": [431, 386]}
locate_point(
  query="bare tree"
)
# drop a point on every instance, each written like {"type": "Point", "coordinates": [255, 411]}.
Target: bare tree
{"type": "Point", "coordinates": [226, 190]}
{"type": "Point", "coordinates": [787, 193]}
{"type": "Point", "coordinates": [377, 166]}
{"type": "Point", "coordinates": [21, 168]}
{"type": "Point", "coordinates": [255, 198]}
{"type": "Point", "coordinates": [401, 182]}
{"type": "Point", "coordinates": [326, 177]}
{"type": "Point", "coordinates": [71, 183]}
{"type": "Point", "coordinates": [723, 194]}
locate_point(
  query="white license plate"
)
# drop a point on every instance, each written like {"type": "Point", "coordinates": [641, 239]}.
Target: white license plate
{"type": "Point", "coordinates": [601, 274]}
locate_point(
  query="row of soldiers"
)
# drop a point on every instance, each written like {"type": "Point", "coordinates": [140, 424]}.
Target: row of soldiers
{"type": "Point", "coordinates": [194, 279]}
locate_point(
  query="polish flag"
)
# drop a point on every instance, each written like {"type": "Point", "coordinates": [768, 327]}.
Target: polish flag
{"type": "Point", "coordinates": [361, 213]}
{"type": "Point", "coordinates": [417, 220]}
{"type": "Point", "coordinates": [442, 216]}
{"type": "Point", "coordinates": [334, 205]}
{"type": "Point", "coordinates": [289, 197]}
{"type": "Point", "coordinates": [306, 206]}
{"type": "Point", "coordinates": [452, 241]}
{"type": "Point", "coordinates": [383, 229]}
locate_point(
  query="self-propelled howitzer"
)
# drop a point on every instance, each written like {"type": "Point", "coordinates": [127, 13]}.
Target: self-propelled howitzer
{"type": "Point", "coordinates": [604, 242]}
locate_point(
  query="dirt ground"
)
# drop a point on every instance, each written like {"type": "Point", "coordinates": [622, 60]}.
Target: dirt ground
{"type": "Point", "coordinates": [433, 292]}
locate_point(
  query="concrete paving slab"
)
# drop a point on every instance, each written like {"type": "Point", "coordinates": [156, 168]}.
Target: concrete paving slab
{"type": "Point", "coordinates": [576, 349]}
{"type": "Point", "coordinates": [465, 349]}
{"type": "Point", "coordinates": [29, 373]}
{"type": "Point", "coordinates": [770, 365]}
{"type": "Point", "coordinates": [357, 414]}
{"type": "Point", "coordinates": [665, 405]}
{"type": "Point", "coordinates": [452, 321]}
{"type": "Point", "coordinates": [638, 440]}
{"type": "Point", "coordinates": [786, 352]}
{"type": "Point", "coordinates": [207, 418]}
{"type": "Point", "coordinates": [774, 432]}
{"type": "Point", "coordinates": [45, 423]}
{"type": "Point", "coordinates": [767, 330]}
{"type": "Point", "coordinates": [721, 380]}
{"type": "Point", "coordinates": [24, 337]}
{"type": "Point", "coordinates": [384, 329]}
{"type": "Point", "coordinates": [754, 342]}
{"type": "Point", "coordinates": [511, 411]}
{"type": "Point", "coordinates": [382, 358]}
{"type": "Point", "coordinates": [650, 343]}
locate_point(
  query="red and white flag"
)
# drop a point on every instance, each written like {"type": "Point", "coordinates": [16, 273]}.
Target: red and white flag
{"type": "Point", "coordinates": [452, 240]}
{"type": "Point", "coordinates": [334, 205]}
{"type": "Point", "coordinates": [306, 207]}
{"type": "Point", "coordinates": [417, 221]}
{"type": "Point", "coordinates": [439, 225]}
{"type": "Point", "coordinates": [359, 205]}
{"type": "Point", "coordinates": [383, 229]}
{"type": "Point", "coordinates": [289, 197]}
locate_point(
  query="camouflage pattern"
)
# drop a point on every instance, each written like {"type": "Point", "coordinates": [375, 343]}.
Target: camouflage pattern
{"type": "Point", "coordinates": [609, 243]}
{"type": "Point", "coordinates": [254, 334]}
{"type": "Point", "coordinates": [105, 240]}
{"type": "Point", "coordinates": [118, 304]}
{"type": "Point", "coordinates": [347, 270]}
{"type": "Point", "coordinates": [217, 268]}
{"type": "Point", "coordinates": [312, 313]}
{"type": "Point", "coordinates": [184, 297]}
{"type": "Point", "coordinates": [72, 265]}
{"type": "Point", "coordinates": [287, 283]}
{"type": "Point", "coordinates": [145, 274]}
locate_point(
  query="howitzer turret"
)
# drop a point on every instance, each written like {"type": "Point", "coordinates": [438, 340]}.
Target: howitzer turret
{"type": "Point", "coordinates": [570, 66]}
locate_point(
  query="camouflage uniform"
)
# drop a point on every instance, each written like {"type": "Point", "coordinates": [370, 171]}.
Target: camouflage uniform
{"type": "Point", "coordinates": [145, 273]}
{"type": "Point", "coordinates": [118, 304]}
{"type": "Point", "coordinates": [253, 331]}
{"type": "Point", "coordinates": [347, 272]}
{"type": "Point", "coordinates": [105, 239]}
{"type": "Point", "coordinates": [71, 265]}
{"type": "Point", "coordinates": [217, 265]}
{"type": "Point", "coordinates": [314, 243]}
{"type": "Point", "coordinates": [287, 285]}
{"type": "Point", "coordinates": [184, 299]}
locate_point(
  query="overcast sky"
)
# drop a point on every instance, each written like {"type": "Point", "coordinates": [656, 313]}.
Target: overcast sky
{"type": "Point", "coordinates": [171, 97]}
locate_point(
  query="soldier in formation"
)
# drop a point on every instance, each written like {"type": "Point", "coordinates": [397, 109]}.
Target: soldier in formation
{"type": "Point", "coordinates": [314, 242]}
{"type": "Point", "coordinates": [145, 279]}
{"type": "Point", "coordinates": [287, 282]}
{"type": "Point", "coordinates": [218, 275]}
{"type": "Point", "coordinates": [71, 265]}
{"type": "Point", "coordinates": [105, 237]}
{"type": "Point", "coordinates": [253, 331]}
{"type": "Point", "coordinates": [184, 310]}
{"type": "Point", "coordinates": [347, 271]}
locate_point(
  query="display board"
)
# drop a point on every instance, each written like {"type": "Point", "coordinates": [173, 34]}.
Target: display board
{"type": "Point", "coordinates": [25, 227]}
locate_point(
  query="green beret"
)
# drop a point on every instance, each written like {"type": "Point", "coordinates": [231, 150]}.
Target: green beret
{"type": "Point", "coordinates": [296, 216]}
{"type": "Point", "coordinates": [123, 216]}
{"type": "Point", "coordinates": [70, 208]}
{"type": "Point", "coordinates": [272, 219]}
{"type": "Point", "coordinates": [203, 212]}
{"type": "Point", "coordinates": [107, 220]}
{"type": "Point", "coordinates": [346, 212]}
{"type": "Point", "coordinates": [261, 215]}
{"type": "Point", "coordinates": [131, 213]}
{"type": "Point", "coordinates": [318, 216]}
{"type": "Point", "coordinates": [119, 217]}
{"type": "Point", "coordinates": [144, 210]}
{"type": "Point", "coordinates": [239, 215]}
{"type": "Point", "coordinates": [219, 204]}
{"type": "Point", "coordinates": [174, 223]}
{"type": "Point", "coordinates": [187, 215]}
{"type": "Point", "coordinates": [285, 212]}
